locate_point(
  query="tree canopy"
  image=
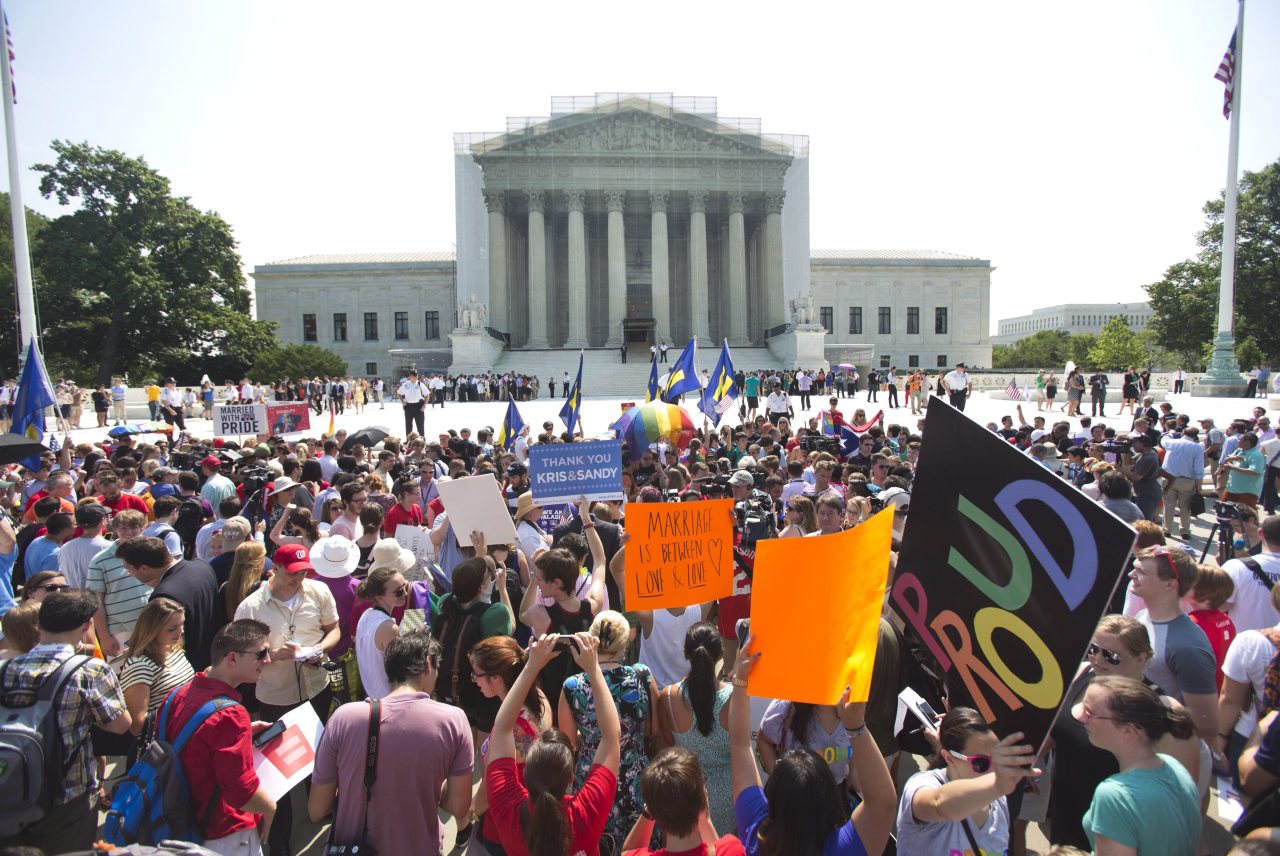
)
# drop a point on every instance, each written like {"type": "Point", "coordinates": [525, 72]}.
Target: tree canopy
{"type": "Point", "coordinates": [1043, 348]}
{"type": "Point", "coordinates": [1185, 303]}
{"type": "Point", "coordinates": [146, 277]}
{"type": "Point", "coordinates": [1117, 347]}
{"type": "Point", "coordinates": [295, 361]}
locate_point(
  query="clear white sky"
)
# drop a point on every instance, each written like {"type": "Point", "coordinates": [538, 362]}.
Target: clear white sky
{"type": "Point", "coordinates": [1073, 145]}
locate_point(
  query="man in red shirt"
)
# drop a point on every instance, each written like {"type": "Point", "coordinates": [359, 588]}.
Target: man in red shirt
{"type": "Point", "coordinates": [116, 499]}
{"type": "Point", "coordinates": [406, 510]}
{"type": "Point", "coordinates": [58, 485]}
{"type": "Point", "coordinates": [220, 753]}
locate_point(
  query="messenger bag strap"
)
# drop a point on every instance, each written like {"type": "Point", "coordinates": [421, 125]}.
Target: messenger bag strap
{"type": "Point", "coordinates": [1253, 565]}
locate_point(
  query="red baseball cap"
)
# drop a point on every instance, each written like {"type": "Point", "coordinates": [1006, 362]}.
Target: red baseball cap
{"type": "Point", "coordinates": [292, 559]}
{"type": "Point", "coordinates": [210, 461]}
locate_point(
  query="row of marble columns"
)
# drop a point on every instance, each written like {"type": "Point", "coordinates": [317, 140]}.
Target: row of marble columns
{"type": "Point", "coordinates": [773, 310]}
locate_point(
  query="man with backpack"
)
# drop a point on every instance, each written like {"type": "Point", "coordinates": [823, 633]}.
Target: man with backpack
{"type": "Point", "coordinates": [166, 513]}
{"type": "Point", "coordinates": [49, 697]}
{"type": "Point", "coordinates": [227, 801]}
{"type": "Point", "coordinates": [193, 513]}
{"type": "Point", "coordinates": [1250, 605]}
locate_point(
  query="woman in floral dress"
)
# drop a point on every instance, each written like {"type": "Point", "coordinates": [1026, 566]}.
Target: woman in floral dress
{"type": "Point", "coordinates": [633, 691]}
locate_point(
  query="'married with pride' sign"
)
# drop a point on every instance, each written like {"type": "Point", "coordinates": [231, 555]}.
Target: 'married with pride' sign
{"type": "Point", "coordinates": [678, 553]}
{"type": "Point", "coordinates": [1004, 572]}
{"type": "Point", "coordinates": [568, 472]}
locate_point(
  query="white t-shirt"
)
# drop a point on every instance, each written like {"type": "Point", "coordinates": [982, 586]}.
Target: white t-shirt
{"type": "Point", "coordinates": [373, 674]}
{"type": "Point", "coordinates": [1250, 605]}
{"type": "Point", "coordinates": [915, 836]}
{"type": "Point", "coordinates": [1246, 662]}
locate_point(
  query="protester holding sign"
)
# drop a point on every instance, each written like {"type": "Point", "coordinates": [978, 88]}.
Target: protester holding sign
{"type": "Point", "coordinates": [802, 811]}
{"type": "Point", "coordinates": [959, 803]}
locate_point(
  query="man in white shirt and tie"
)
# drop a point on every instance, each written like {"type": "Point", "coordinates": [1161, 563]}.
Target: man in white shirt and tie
{"type": "Point", "coordinates": [412, 394]}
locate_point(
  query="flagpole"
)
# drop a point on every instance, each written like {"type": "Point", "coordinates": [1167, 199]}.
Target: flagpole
{"type": "Point", "coordinates": [1223, 376]}
{"type": "Point", "coordinates": [17, 211]}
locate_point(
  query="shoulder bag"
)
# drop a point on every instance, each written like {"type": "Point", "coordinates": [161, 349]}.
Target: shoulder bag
{"type": "Point", "coordinates": [362, 847]}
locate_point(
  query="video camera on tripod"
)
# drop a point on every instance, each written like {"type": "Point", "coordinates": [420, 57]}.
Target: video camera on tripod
{"type": "Point", "coordinates": [1226, 518]}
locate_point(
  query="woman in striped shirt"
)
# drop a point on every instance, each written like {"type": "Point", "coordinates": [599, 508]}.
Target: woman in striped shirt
{"type": "Point", "coordinates": [157, 664]}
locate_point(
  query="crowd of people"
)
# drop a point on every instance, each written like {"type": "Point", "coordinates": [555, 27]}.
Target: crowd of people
{"type": "Point", "coordinates": [512, 688]}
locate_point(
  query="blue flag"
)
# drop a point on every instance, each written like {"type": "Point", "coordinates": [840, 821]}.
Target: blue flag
{"type": "Point", "coordinates": [512, 425]}
{"type": "Point", "coordinates": [651, 393]}
{"type": "Point", "coordinates": [573, 403]}
{"type": "Point", "coordinates": [721, 391]}
{"type": "Point", "coordinates": [684, 374]}
{"type": "Point", "coordinates": [35, 393]}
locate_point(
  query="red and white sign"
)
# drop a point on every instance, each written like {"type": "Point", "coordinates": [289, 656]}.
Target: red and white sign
{"type": "Point", "coordinates": [289, 758]}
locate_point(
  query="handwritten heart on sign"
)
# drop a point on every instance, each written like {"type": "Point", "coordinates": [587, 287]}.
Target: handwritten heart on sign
{"type": "Point", "coordinates": [715, 546]}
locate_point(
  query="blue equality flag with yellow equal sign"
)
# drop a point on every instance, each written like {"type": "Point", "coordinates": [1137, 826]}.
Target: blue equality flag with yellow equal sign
{"type": "Point", "coordinates": [721, 391]}
{"type": "Point", "coordinates": [573, 401]}
{"type": "Point", "coordinates": [512, 425]}
{"type": "Point", "coordinates": [684, 374]}
{"type": "Point", "coordinates": [35, 393]}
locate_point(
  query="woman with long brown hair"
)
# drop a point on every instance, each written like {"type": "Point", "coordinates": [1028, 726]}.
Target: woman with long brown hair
{"type": "Point", "coordinates": [157, 664]}
{"type": "Point", "coordinates": [496, 664]}
{"type": "Point", "coordinates": [537, 815]}
{"type": "Point", "coordinates": [247, 570]}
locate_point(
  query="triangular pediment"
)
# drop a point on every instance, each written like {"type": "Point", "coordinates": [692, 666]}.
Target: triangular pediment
{"type": "Point", "coordinates": [633, 126]}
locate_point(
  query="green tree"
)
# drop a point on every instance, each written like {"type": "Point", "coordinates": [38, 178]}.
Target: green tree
{"type": "Point", "coordinates": [1117, 347]}
{"type": "Point", "coordinates": [1185, 303]}
{"type": "Point", "coordinates": [9, 306]}
{"type": "Point", "coordinates": [295, 361]}
{"type": "Point", "coordinates": [1042, 348]}
{"type": "Point", "coordinates": [145, 275]}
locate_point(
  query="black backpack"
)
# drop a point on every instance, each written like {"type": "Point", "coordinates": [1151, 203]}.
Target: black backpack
{"type": "Point", "coordinates": [456, 637]}
{"type": "Point", "coordinates": [32, 765]}
{"type": "Point", "coordinates": [187, 524]}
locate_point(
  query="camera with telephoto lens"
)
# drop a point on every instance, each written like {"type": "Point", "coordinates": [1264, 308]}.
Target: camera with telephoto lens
{"type": "Point", "coordinates": [716, 487]}
{"type": "Point", "coordinates": [820, 443]}
{"type": "Point", "coordinates": [1117, 447]}
{"type": "Point", "coordinates": [756, 519]}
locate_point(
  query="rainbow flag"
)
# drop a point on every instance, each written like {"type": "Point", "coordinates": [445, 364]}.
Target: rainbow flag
{"type": "Point", "coordinates": [330, 418]}
{"type": "Point", "coordinates": [828, 426]}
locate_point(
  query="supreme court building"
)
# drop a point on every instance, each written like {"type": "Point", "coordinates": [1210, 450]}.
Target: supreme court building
{"type": "Point", "coordinates": [636, 218]}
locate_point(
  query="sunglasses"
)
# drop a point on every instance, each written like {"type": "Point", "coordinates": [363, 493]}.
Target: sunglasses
{"type": "Point", "coordinates": [1087, 715]}
{"type": "Point", "coordinates": [476, 677]}
{"type": "Point", "coordinates": [402, 591]}
{"type": "Point", "coordinates": [52, 587]}
{"type": "Point", "coordinates": [979, 763]}
{"type": "Point", "coordinates": [260, 656]}
{"type": "Point", "coordinates": [1112, 657]}
{"type": "Point", "coordinates": [1168, 557]}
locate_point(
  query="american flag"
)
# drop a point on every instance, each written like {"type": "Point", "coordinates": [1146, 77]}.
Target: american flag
{"type": "Point", "coordinates": [1011, 390]}
{"type": "Point", "coordinates": [8, 41]}
{"type": "Point", "coordinates": [1226, 73]}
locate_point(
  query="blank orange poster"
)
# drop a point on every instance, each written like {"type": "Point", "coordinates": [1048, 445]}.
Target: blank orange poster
{"type": "Point", "coordinates": [679, 553]}
{"type": "Point", "coordinates": [815, 612]}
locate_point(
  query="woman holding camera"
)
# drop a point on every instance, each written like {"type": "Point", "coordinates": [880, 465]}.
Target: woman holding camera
{"type": "Point", "coordinates": [536, 815]}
